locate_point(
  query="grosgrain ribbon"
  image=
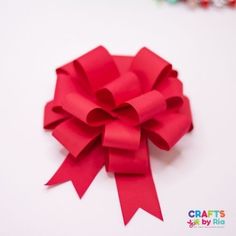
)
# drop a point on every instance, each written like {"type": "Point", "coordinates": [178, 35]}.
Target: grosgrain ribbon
{"type": "Point", "coordinates": [104, 110]}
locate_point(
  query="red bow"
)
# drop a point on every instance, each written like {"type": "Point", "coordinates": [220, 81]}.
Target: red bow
{"type": "Point", "coordinates": [104, 109]}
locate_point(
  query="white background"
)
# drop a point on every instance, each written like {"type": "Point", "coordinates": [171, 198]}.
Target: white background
{"type": "Point", "coordinates": [199, 173]}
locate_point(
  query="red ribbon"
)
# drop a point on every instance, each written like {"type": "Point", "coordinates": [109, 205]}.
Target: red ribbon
{"type": "Point", "coordinates": [104, 109]}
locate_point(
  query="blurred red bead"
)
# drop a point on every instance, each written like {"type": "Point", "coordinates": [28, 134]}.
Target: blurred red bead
{"type": "Point", "coordinates": [232, 3]}
{"type": "Point", "coordinates": [204, 3]}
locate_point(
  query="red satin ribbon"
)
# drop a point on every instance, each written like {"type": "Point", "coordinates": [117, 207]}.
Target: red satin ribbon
{"type": "Point", "coordinates": [104, 110]}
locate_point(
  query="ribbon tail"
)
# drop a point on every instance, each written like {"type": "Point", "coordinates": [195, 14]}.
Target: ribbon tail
{"type": "Point", "coordinates": [137, 191]}
{"type": "Point", "coordinates": [80, 171]}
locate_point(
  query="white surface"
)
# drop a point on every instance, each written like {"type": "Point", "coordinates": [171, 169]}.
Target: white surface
{"type": "Point", "coordinates": [199, 173]}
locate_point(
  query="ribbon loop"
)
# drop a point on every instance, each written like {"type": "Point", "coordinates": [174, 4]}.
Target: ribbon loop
{"type": "Point", "coordinates": [64, 86]}
{"type": "Point", "coordinates": [85, 110]}
{"type": "Point", "coordinates": [98, 66]}
{"type": "Point", "coordinates": [120, 135]}
{"type": "Point", "coordinates": [166, 130]}
{"type": "Point", "coordinates": [67, 69]}
{"type": "Point", "coordinates": [75, 135]}
{"type": "Point", "coordinates": [51, 117]}
{"type": "Point", "coordinates": [150, 68]}
{"type": "Point", "coordinates": [128, 161]}
{"type": "Point", "coordinates": [125, 87]}
{"type": "Point", "coordinates": [172, 89]}
{"type": "Point", "coordinates": [185, 110]}
{"type": "Point", "coordinates": [141, 108]}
